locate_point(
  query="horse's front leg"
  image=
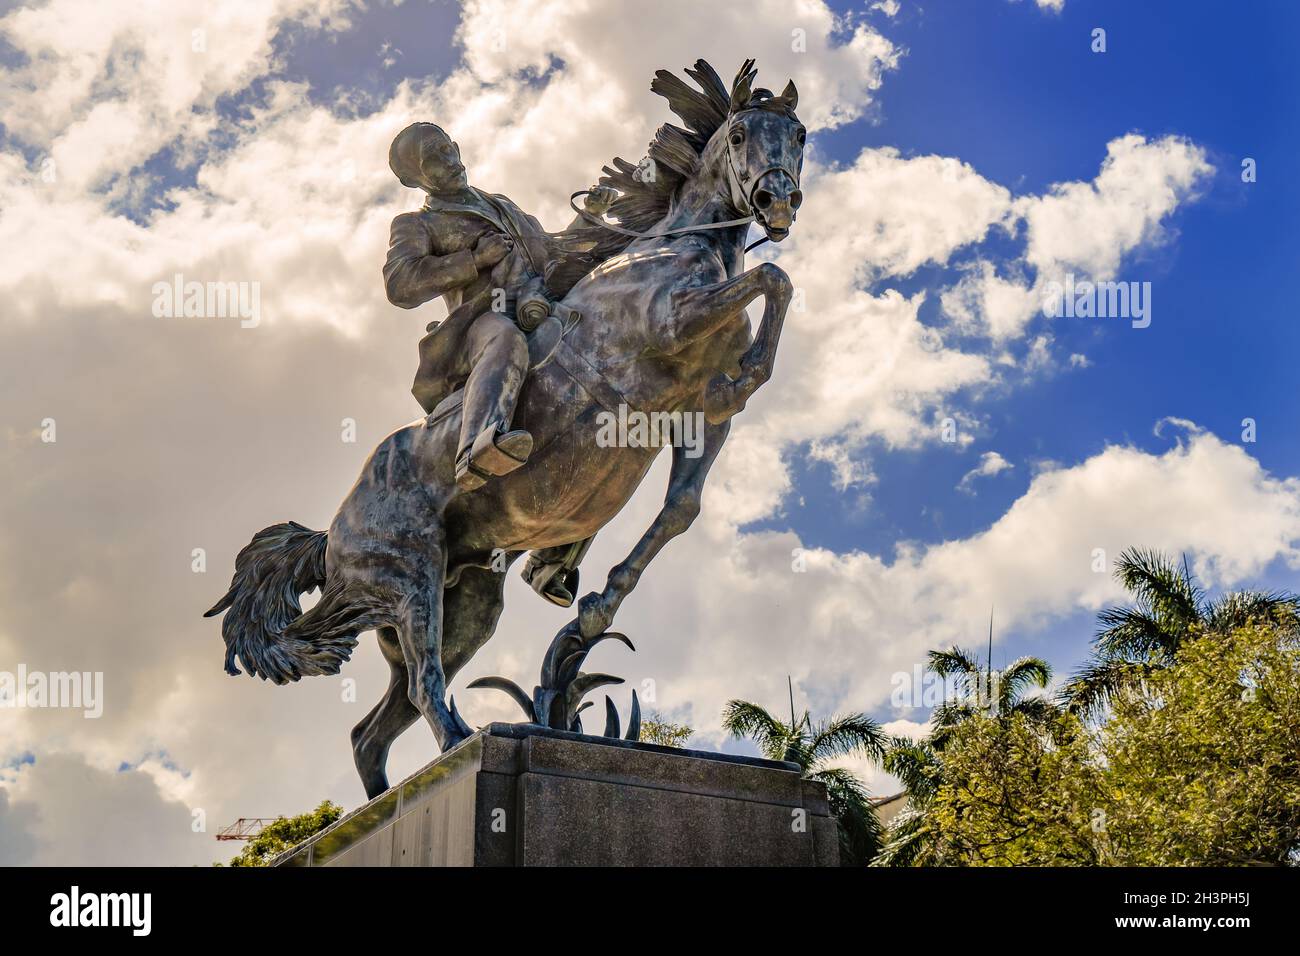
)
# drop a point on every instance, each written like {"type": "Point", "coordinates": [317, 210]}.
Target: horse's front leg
{"type": "Point", "coordinates": [701, 310]}
{"type": "Point", "coordinates": [681, 506]}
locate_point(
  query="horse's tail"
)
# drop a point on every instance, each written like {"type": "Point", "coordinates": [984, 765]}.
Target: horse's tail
{"type": "Point", "coordinates": [261, 628]}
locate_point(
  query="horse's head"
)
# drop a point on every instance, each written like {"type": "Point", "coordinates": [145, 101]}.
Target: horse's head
{"type": "Point", "coordinates": [763, 143]}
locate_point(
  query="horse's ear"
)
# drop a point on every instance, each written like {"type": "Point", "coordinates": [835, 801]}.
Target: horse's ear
{"type": "Point", "coordinates": [742, 89]}
{"type": "Point", "coordinates": [790, 96]}
{"type": "Point", "coordinates": [740, 95]}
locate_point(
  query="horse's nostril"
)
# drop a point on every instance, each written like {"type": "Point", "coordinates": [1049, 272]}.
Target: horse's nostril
{"type": "Point", "coordinates": [796, 199]}
{"type": "Point", "coordinates": [762, 199]}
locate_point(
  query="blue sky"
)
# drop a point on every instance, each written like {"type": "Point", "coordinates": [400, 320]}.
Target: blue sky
{"type": "Point", "coordinates": [1021, 96]}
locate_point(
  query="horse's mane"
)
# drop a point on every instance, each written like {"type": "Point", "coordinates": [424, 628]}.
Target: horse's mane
{"type": "Point", "coordinates": [673, 157]}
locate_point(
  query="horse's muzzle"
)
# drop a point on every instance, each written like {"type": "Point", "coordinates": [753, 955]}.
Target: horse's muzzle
{"type": "Point", "coordinates": [775, 199]}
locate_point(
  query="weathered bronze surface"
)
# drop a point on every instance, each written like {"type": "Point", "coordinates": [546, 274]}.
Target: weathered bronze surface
{"type": "Point", "coordinates": [652, 322]}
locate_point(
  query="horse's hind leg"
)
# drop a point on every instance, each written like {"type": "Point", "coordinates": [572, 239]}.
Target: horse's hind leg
{"type": "Point", "coordinates": [420, 631]}
{"type": "Point", "coordinates": [372, 738]}
{"type": "Point", "coordinates": [470, 612]}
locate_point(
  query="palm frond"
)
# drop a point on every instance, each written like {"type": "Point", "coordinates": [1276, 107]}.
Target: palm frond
{"type": "Point", "coordinates": [1133, 632]}
{"type": "Point", "coordinates": [917, 768]}
{"type": "Point", "coordinates": [743, 719]}
{"type": "Point", "coordinates": [1020, 674]}
{"type": "Point", "coordinates": [947, 717]}
{"type": "Point", "coordinates": [953, 663]}
{"type": "Point", "coordinates": [1038, 710]}
{"type": "Point", "coordinates": [907, 840]}
{"type": "Point", "coordinates": [1160, 586]}
{"type": "Point", "coordinates": [850, 804]}
{"type": "Point", "coordinates": [1092, 688]}
{"type": "Point", "coordinates": [852, 734]}
{"type": "Point", "coordinates": [1239, 608]}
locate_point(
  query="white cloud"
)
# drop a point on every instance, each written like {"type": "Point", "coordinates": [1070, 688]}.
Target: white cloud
{"type": "Point", "coordinates": [991, 463]}
{"type": "Point", "coordinates": [1089, 227]}
{"type": "Point", "coordinates": [1081, 228]}
{"type": "Point", "coordinates": [104, 86]}
{"type": "Point", "coordinates": [854, 619]}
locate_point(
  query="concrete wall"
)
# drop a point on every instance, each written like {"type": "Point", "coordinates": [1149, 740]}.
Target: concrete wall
{"type": "Point", "coordinates": [523, 796]}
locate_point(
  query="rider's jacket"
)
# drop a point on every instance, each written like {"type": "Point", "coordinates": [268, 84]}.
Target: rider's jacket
{"type": "Point", "coordinates": [430, 254]}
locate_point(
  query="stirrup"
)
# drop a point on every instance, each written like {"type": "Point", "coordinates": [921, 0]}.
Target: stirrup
{"type": "Point", "coordinates": [554, 581]}
{"type": "Point", "coordinates": [493, 454]}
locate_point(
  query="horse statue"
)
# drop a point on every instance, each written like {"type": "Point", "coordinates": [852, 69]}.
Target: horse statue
{"type": "Point", "coordinates": [657, 326]}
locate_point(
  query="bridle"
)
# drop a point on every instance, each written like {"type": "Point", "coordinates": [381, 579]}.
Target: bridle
{"type": "Point", "coordinates": [738, 197]}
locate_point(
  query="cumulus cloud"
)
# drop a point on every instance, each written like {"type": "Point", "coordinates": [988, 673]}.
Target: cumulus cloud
{"type": "Point", "coordinates": [1084, 229]}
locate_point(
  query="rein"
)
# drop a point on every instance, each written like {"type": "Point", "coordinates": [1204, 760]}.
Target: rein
{"type": "Point", "coordinates": [684, 230]}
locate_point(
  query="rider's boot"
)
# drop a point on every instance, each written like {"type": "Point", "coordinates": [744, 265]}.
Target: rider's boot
{"type": "Point", "coordinates": [492, 454]}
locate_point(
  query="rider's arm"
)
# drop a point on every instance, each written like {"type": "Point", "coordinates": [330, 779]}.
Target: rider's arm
{"type": "Point", "coordinates": [596, 202]}
{"type": "Point", "coordinates": [413, 274]}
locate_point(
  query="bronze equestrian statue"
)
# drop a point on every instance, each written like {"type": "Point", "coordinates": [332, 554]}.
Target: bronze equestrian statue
{"type": "Point", "coordinates": [648, 314]}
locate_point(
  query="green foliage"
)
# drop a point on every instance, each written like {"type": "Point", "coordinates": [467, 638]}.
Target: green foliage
{"type": "Point", "coordinates": [1196, 765]}
{"type": "Point", "coordinates": [656, 730]}
{"type": "Point", "coordinates": [984, 690]}
{"type": "Point", "coordinates": [1015, 791]}
{"type": "Point", "coordinates": [815, 746]}
{"type": "Point", "coordinates": [1204, 768]}
{"type": "Point", "coordinates": [286, 833]}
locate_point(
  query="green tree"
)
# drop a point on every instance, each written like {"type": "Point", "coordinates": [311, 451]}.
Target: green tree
{"type": "Point", "coordinates": [656, 730]}
{"type": "Point", "coordinates": [1204, 768]}
{"type": "Point", "coordinates": [1015, 791]}
{"type": "Point", "coordinates": [286, 833]}
{"type": "Point", "coordinates": [1200, 769]}
{"type": "Point", "coordinates": [1133, 642]}
{"type": "Point", "coordinates": [909, 838]}
{"type": "Point", "coordinates": [997, 696]}
{"type": "Point", "coordinates": [814, 746]}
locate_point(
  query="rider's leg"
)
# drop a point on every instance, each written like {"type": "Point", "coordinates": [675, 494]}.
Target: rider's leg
{"type": "Point", "coordinates": [498, 360]}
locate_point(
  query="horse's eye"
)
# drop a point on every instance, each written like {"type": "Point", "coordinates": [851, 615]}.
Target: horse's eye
{"type": "Point", "coordinates": [737, 137]}
{"type": "Point", "coordinates": [801, 136]}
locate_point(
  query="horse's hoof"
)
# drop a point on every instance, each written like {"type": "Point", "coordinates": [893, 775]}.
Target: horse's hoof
{"type": "Point", "coordinates": [593, 619]}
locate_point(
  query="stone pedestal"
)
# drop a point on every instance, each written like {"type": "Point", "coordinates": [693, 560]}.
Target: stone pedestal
{"type": "Point", "coordinates": [514, 795]}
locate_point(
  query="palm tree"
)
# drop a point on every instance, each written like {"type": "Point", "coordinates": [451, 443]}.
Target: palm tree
{"type": "Point", "coordinates": [919, 764]}
{"type": "Point", "coordinates": [813, 746]}
{"type": "Point", "coordinates": [908, 840]}
{"type": "Point", "coordinates": [1169, 608]}
{"type": "Point", "coordinates": [984, 690]}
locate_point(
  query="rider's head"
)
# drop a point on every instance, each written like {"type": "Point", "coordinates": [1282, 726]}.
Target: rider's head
{"type": "Point", "coordinates": [424, 157]}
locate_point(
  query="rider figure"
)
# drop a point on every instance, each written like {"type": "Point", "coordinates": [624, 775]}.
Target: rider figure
{"type": "Point", "coordinates": [486, 258]}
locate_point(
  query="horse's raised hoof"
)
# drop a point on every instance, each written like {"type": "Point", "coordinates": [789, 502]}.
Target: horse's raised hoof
{"type": "Point", "coordinates": [594, 617]}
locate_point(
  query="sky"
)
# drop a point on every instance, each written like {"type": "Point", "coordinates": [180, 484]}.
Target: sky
{"type": "Point", "coordinates": [933, 447]}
